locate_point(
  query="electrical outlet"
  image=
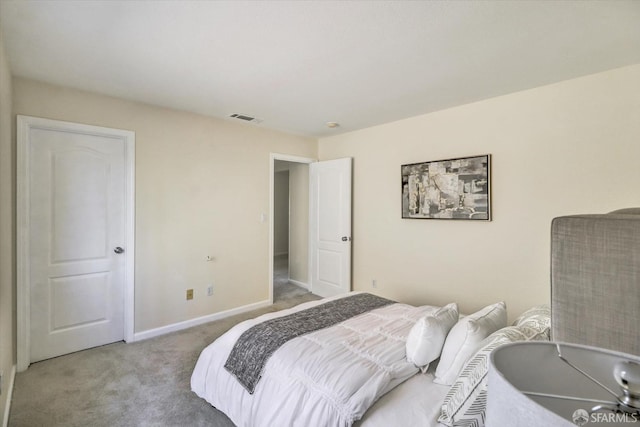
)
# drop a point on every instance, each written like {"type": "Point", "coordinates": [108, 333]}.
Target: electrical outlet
{"type": "Point", "coordinates": [189, 294]}
{"type": "Point", "coordinates": [210, 289]}
{"type": "Point", "coordinates": [374, 283]}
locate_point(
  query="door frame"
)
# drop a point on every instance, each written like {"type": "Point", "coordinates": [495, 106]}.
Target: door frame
{"type": "Point", "coordinates": [272, 162]}
{"type": "Point", "coordinates": [23, 294]}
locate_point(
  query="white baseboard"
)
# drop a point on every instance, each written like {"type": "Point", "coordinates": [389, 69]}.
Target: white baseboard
{"type": "Point", "coordinates": [7, 403]}
{"type": "Point", "coordinates": [301, 284]}
{"type": "Point", "coordinates": [150, 333]}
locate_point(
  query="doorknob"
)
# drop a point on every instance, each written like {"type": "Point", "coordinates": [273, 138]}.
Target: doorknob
{"type": "Point", "coordinates": [346, 239]}
{"type": "Point", "coordinates": [118, 250]}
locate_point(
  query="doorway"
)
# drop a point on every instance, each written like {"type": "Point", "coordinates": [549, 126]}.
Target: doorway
{"type": "Point", "coordinates": [290, 230]}
{"type": "Point", "coordinates": [317, 257]}
{"type": "Point", "coordinates": [289, 227]}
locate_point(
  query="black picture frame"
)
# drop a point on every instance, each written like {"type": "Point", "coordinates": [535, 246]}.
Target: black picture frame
{"type": "Point", "coordinates": [455, 189]}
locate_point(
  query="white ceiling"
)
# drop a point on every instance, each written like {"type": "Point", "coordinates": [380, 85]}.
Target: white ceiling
{"type": "Point", "coordinates": [299, 64]}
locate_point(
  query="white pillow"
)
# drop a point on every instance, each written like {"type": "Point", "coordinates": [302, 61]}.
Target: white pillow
{"type": "Point", "coordinates": [466, 400]}
{"type": "Point", "coordinates": [464, 340]}
{"type": "Point", "coordinates": [426, 338]}
{"type": "Point", "coordinates": [537, 319]}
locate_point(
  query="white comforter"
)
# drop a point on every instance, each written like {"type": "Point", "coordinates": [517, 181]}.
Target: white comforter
{"type": "Point", "coordinates": [325, 378]}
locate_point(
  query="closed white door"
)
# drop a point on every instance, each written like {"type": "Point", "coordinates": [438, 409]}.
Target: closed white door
{"type": "Point", "coordinates": [76, 197]}
{"type": "Point", "coordinates": [330, 226]}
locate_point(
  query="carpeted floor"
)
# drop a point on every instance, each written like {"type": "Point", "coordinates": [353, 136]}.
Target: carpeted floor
{"type": "Point", "coordinates": [282, 288]}
{"type": "Point", "coordinates": [140, 384]}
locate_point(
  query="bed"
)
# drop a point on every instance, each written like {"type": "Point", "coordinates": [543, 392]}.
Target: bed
{"type": "Point", "coordinates": [358, 371]}
{"type": "Point", "coordinates": [335, 373]}
{"type": "Point", "coordinates": [402, 365]}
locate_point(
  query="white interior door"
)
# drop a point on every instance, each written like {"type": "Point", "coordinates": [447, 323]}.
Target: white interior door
{"type": "Point", "coordinates": [76, 239]}
{"type": "Point", "coordinates": [330, 226]}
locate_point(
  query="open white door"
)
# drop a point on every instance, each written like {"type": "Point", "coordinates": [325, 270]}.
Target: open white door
{"type": "Point", "coordinates": [330, 226]}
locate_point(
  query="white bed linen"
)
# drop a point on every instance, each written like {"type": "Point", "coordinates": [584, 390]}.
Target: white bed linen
{"type": "Point", "coordinates": [414, 403]}
{"type": "Point", "coordinates": [329, 377]}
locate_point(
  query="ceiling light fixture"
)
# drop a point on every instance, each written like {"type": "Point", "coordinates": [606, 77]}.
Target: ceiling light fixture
{"type": "Point", "coordinates": [333, 125]}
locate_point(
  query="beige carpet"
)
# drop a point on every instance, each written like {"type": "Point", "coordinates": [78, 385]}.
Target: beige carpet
{"type": "Point", "coordinates": [139, 384]}
{"type": "Point", "coordinates": [282, 288]}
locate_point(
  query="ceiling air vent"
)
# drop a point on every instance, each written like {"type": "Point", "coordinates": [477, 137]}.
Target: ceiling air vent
{"type": "Point", "coordinates": [245, 118]}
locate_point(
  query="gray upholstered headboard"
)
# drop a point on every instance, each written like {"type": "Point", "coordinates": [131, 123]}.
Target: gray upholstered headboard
{"type": "Point", "coordinates": [595, 280]}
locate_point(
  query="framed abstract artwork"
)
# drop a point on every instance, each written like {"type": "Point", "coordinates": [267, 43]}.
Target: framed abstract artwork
{"type": "Point", "coordinates": [448, 189]}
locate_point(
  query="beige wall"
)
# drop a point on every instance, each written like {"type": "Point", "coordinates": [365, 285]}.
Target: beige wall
{"type": "Point", "coordinates": [7, 231]}
{"type": "Point", "coordinates": [201, 186]}
{"type": "Point", "coordinates": [571, 147]}
{"type": "Point", "coordinates": [281, 212]}
{"type": "Point", "coordinates": [297, 205]}
{"type": "Point", "coordinates": [299, 222]}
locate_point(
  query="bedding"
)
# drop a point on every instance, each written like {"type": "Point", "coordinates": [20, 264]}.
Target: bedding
{"type": "Point", "coordinates": [254, 347]}
{"type": "Point", "coordinates": [537, 319]}
{"type": "Point", "coordinates": [426, 337]}
{"type": "Point", "coordinates": [335, 373]}
{"type": "Point", "coordinates": [357, 372]}
{"type": "Point", "coordinates": [414, 403]}
{"type": "Point", "coordinates": [466, 400]}
{"type": "Point", "coordinates": [465, 337]}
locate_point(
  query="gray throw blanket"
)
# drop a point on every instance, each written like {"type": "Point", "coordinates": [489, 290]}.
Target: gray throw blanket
{"type": "Point", "coordinates": [254, 347]}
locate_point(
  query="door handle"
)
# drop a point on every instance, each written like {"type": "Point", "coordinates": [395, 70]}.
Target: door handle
{"type": "Point", "coordinates": [346, 239]}
{"type": "Point", "coordinates": [118, 250]}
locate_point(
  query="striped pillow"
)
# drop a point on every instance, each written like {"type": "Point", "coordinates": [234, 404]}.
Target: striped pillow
{"type": "Point", "coordinates": [537, 319]}
{"type": "Point", "coordinates": [465, 403]}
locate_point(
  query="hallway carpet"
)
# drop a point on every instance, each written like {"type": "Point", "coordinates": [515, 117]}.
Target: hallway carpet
{"type": "Point", "coordinates": [283, 289]}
